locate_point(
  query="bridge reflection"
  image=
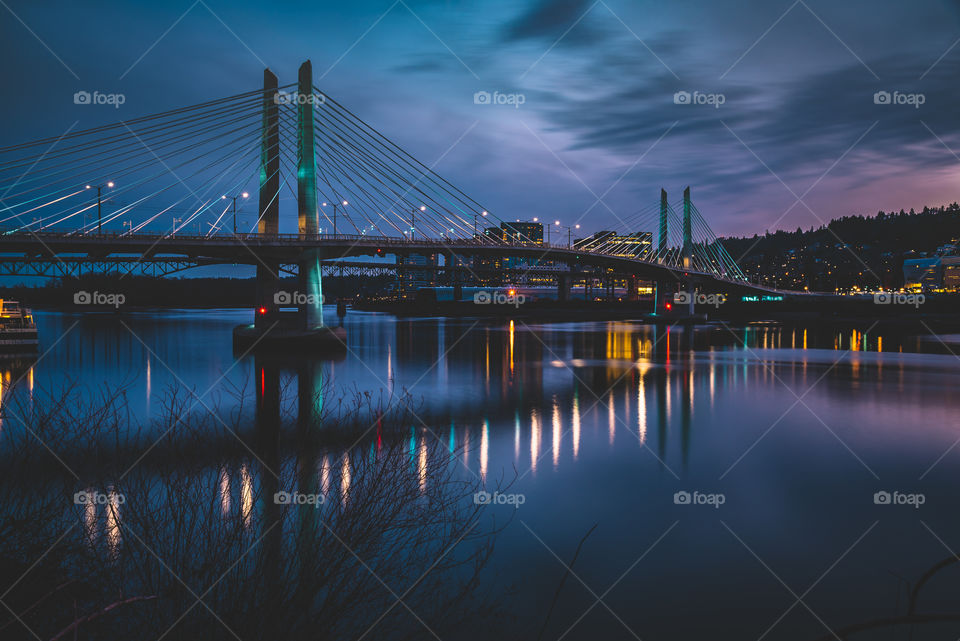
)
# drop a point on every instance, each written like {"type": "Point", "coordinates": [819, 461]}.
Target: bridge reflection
{"type": "Point", "coordinates": [500, 397]}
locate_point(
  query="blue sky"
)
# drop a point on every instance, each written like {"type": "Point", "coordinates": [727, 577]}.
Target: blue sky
{"type": "Point", "coordinates": [798, 138]}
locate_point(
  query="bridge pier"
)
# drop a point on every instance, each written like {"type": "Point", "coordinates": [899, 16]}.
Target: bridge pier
{"type": "Point", "coordinates": [632, 294]}
{"type": "Point", "coordinates": [563, 287]}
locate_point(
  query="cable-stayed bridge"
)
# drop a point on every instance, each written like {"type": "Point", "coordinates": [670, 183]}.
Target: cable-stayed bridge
{"type": "Point", "coordinates": [219, 182]}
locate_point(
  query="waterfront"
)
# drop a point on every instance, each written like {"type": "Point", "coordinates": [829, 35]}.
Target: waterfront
{"type": "Point", "coordinates": [783, 442]}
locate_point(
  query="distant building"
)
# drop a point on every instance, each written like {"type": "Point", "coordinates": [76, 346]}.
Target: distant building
{"type": "Point", "coordinates": [494, 233]}
{"type": "Point", "coordinates": [950, 272]}
{"type": "Point", "coordinates": [523, 233]}
{"type": "Point", "coordinates": [411, 277]}
{"type": "Point", "coordinates": [922, 273]}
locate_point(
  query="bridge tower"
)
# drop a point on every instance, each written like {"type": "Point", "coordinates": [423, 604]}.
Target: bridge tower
{"type": "Point", "coordinates": [304, 329]}
{"type": "Point", "coordinates": [662, 245]}
{"type": "Point", "coordinates": [687, 231]}
{"type": "Point", "coordinates": [688, 249]}
{"type": "Point", "coordinates": [311, 311]}
{"type": "Point", "coordinates": [268, 272]}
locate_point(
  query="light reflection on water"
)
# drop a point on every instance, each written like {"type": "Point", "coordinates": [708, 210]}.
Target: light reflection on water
{"type": "Point", "coordinates": [633, 413]}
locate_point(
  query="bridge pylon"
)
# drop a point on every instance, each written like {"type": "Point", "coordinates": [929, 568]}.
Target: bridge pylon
{"type": "Point", "coordinates": [268, 272]}
{"type": "Point", "coordinates": [311, 310]}
{"type": "Point", "coordinates": [662, 245]}
{"type": "Point", "coordinates": [273, 329]}
{"type": "Point", "coordinates": [687, 231]}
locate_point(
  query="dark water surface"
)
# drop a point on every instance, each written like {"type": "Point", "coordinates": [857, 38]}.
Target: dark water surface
{"type": "Point", "coordinates": [781, 439]}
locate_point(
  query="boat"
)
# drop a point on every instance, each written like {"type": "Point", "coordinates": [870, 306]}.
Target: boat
{"type": "Point", "coordinates": [18, 332]}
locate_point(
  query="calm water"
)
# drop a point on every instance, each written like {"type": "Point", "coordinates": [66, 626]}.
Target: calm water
{"type": "Point", "coordinates": [780, 438]}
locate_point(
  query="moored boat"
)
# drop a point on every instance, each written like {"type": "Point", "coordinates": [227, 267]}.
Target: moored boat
{"type": "Point", "coordinates": [18, 332]}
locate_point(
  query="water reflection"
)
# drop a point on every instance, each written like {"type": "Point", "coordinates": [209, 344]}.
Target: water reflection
{"type": "Point", "coordinates": [610, 394]}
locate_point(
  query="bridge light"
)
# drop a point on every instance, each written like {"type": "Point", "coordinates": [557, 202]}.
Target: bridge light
{"type": "Point", "coordinates": [110, 184]}
{"type": "Point", "coordinates": [557, 223]}
{"type": "Point", "coordinates": [323, 205]}
{"type": "Point", "coordinates": [345, 203]}
{"type": "Point", "coordinates": [224, 197]}
{"type": "Point", "coordinates": [484, 213]}
{"type": "Point", "coordinates": [87, 187]}
{"type": "Point", "coordinates": [423, 208]}
{"type": "Point", "coordinates": [245, 195]}
{"type": "Point", "coordinates": [535, 219]}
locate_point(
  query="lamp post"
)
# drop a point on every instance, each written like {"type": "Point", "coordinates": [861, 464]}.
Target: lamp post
{"type": "Point", "coordinates": [569, 234]}
{"type": "Point", "coordinates": [99, 204]}
{"type": "Point", "coordinates": [484, 213]}
{"type": "Point", "coordinates": [413, 220]}
{"type": "Point", "coordinates": [556, 223]}
{"type": "Point", "coordinates": [343, 204]}
{"type": "Point", "coordinates": [175, 221]}
{"type": "Point", "coordinates": [234, 199]}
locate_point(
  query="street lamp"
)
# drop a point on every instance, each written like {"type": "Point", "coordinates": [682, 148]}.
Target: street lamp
{"type": "Point", "coordinates": [484, 213]}
{"type": "Point", "coordinates": [556, 223]}
{"type": "Point", "coordinates": [234, 199]}
{"type": "Point", "coordinates": [413, 220]}
{"type": "Point", "coordinates": [570, 229]}
{"type": "Point", "coordinates": [99, 204]}
{"type": "Point", "coordinates": [343, 204]}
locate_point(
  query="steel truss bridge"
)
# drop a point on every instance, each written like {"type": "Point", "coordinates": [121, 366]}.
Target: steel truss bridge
{"type": "Point", "coordinates": [167, 192]}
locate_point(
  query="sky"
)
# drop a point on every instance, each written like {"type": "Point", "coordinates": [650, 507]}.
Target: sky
{"type": "Point", "coordinates": [768, 109]}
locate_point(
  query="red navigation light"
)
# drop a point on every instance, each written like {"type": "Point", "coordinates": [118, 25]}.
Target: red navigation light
{"type": "Point", "coordinates": [512, 292]}
{"type": "Point", "coordinates": [668, 306]}
{"type": "Point", "coordinates": [263, 310]}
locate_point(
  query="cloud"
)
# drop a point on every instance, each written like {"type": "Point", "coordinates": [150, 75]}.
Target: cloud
{"type": "Point", "coordinates": [550, 19]}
